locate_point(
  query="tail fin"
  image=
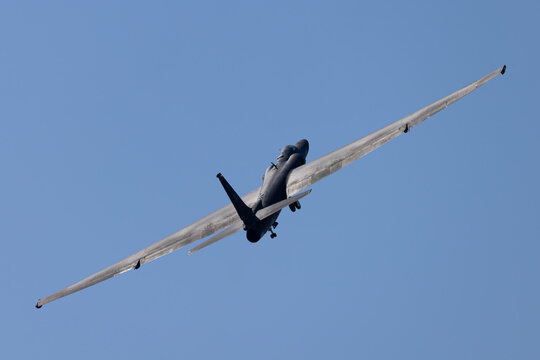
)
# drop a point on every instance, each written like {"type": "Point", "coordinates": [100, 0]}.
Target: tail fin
{"type": "Point", "coordinates": [245, 213]}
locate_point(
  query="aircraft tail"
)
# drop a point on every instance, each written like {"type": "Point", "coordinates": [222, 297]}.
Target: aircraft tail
{"type": "Point", "coordinates": [244, 212]}
{"type": "Point", "coordinates": [274, 208]}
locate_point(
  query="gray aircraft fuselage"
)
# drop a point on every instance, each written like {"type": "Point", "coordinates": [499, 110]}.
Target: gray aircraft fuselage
{"type": "Point", "coordinates": [273, 190]}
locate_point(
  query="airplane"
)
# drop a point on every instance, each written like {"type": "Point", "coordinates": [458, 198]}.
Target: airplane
{"type": "Point", "coordinates": [256, 212]}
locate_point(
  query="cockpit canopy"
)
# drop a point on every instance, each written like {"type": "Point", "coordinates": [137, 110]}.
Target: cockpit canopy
{"type": "Point", "coordinates": [286, 152]}
{"type": "Point", "coordinates": [301, 147]}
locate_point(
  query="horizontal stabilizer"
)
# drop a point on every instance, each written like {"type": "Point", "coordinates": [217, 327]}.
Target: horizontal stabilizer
{"type": "Point", "coordinates": [228, 231]}
{"type": "Point", "coordinates": [272, 209]}
{"type": "Point", "coordinates": [261, 214]}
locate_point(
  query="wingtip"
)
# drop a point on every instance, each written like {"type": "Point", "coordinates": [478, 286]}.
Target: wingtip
{"type": "Point", "coordinates": [37, 305]}
{"type": "Point", "coordinates": [503, 70]}
{"type": "Point", "coordinates": [190, 252]}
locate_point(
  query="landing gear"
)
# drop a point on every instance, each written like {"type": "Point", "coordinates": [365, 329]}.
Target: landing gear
{"type": "Point", "coordinates": [294, 206]}
{"type": "Point", "coordinates": [272, 233]}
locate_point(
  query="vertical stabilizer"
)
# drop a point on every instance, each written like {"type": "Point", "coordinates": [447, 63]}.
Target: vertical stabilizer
{"type": "Point", "coordinates": [244, 211]}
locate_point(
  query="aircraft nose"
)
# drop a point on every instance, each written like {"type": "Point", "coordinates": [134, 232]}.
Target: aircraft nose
{"type": "Point", "coordinates": [303, 146]}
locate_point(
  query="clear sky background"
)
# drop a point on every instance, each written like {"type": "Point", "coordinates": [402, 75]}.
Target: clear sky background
{"type": "Point", "coordinates": [116, 116]}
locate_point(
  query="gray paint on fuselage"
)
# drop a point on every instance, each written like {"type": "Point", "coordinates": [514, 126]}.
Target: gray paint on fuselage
{"type": "Point", "coordinates": [274, 186]}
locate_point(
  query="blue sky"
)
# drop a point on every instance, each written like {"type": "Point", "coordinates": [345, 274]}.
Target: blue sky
{"type": "Point", "coordinates": [116, 116]}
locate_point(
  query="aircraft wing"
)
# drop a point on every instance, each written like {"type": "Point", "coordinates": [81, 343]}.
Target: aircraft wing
{"type": "Point", "coordinates": [308, 174]}
{"type": "Point", "coordinates": [198, 230]}
{"type": "Point", "coordinates": [299, 179]}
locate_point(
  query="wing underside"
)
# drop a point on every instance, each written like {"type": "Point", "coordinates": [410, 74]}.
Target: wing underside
{"type": "Point", "coordinates": [318, 169]}
{"type": "Point", "coordinates": [198, 230]}
{"type": "Point", "coordinates": [302, 177]}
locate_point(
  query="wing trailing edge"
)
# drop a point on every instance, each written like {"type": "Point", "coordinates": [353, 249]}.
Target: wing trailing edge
{"type": "Point", "coordinates": [320, 168]}
{"type": "Point", "coordinates": [198, 230]}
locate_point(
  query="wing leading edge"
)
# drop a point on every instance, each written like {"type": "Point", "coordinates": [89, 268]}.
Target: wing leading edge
{"type": "Point", "coordinates": [299, 179]}
{"type": "Point", "coordinates": [200, 229]}
{"type": "Point", "coordinates": [320, 168]}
